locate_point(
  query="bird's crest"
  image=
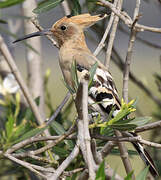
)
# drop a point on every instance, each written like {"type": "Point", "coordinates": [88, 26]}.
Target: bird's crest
{"type": "Point", "coordinates": [83, 20]}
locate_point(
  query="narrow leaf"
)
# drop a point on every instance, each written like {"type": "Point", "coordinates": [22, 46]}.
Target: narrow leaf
{"type": "Point", "coordinates": [8, 3]}
{"type": "Point", "coordinates": [140, 121]}
{"type": "Point", "coordinates": [76, 8]}
{"type": "Point", "coordinates": [129, 176]}
{"type": "Point", "coordinates": [92, 72]}
{"type": "Point", "coordinates": [101, 172]}
{"type": "Point", "coordinates": [58, 128]}
{"type": "Point", "coordinates": [30, 133]}
{"type": "Point", "coordinates": [123, 127]}
{"type": "Point", "coordinates": [46, 6]}
{"type": "Point", "coordinates": [9, 126]}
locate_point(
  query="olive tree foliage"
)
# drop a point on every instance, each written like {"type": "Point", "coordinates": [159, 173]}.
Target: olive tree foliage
{"type": "Point", "coordinates": [35, 147]}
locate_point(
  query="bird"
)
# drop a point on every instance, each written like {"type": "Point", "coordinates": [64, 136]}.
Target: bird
{"type": "Point", "coordinates": [69, 34]}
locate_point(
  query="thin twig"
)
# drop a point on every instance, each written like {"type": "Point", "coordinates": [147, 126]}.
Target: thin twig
{"type": "Point", "coordinates": [66, 7]}
{"type": "Point", "coordinates": [66, 162]}
{"type": "Point", "coordinates": [45, 148]}
{"type": "Point", "coordinates": [9, 59]}
{"type": "Point", "coordinates": [128, 60]}
{"type": "Point", "coordinates": [24, 164]}
{"type": "Point", "coordinates": [37, 25]}
{"type": "Point", "coordinates": [107, 149]}
{"type": "Point", "coordinates": [102, 42]}
{"type": "Point", "coordinates": [128, 21]}
{"type": "Point", "coordinates": [148, 43]}
{"type": "Point", "coordinates": [60, 107]}
{"type": "Point", "coordinates": [148, 127]}
{"type": "Point", "coordinates": [124, 155]}
{"type": "Point", "coordinates": [134, 79]}
{"type": "Point", "coordinates": [118, 5]}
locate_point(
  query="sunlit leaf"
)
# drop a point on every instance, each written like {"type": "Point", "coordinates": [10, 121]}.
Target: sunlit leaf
{"type": "Point", "coordinates": [9, 126]}
{"type": "Point", "coordinates": [100, 175]}
{"type": "Point", "coordinates": [46, 5]}
{"type": "Point", "coordinates": [129, 176]}
{"type": "Point", "coordinates": [18, 98]}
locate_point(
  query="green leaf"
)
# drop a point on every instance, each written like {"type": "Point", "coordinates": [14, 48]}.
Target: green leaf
{"type": "Point", "coordinates": [140, 121]}
{"type": "Point", "coordinates": [45, 6]}
{"type": "Point", "coordinates": [74, 75]}
{"type": "Point", "coordinates": [58, 128]}
{"type": "Point", "coordinates": [76, 9]}
{"type": "Point", "coordinates": [123, 127]}
{"type": "Point", "coordinates": [71, 90]}
{"type": "Point", "coordinates": [100, 175]}
{"type": "Point", "coordinates": [62, 152]}
{"type": "Point", "coordinates": [30, 133]}
{"type": "Point", "coordinates": [143, 174]}
{"type": "Point", "coordinates": [129, 176]}
{"type": "Point", "coordinates": [9, 126]}
{"type": "Point", "coordinates": [20, 129]}
{"type": "Point", "coordinates": [8, 3]}
{"type": "Point", "coordinates": [92, 72]}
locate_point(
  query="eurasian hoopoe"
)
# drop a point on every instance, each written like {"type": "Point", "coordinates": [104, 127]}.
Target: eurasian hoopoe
{"type": "Point", "coordinates": [69, 35]}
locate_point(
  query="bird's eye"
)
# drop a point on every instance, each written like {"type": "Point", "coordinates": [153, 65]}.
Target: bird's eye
{"type": "Point", "coordinates": [63, 28]}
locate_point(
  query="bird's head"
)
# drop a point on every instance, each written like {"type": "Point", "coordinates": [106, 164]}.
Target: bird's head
{"type": "Point", "coordinates": [68, 27]}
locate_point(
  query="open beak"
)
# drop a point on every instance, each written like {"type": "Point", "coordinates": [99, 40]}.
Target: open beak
{"type": "Point", "coordinates": [39, 33]}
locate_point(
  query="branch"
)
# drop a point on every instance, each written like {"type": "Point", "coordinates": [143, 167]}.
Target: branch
{"type": "Point", "coordinates": [37, 25]}
{"type": "Point", "coordinates": [9, 59]}
{"type": "Point", "coordinates": [134, 79]}
{"type": "Point", "coordinates": [84, 138]}
{"type": "Point", "coordinates": [66, 162]}
{"type": "Point", "coordinates": [102, 42]}
{"type": "Point", "coordinates": [148, 127]}
{"type": "Point", "coordinates": [57, 111]}
{"type": "Point", "coordinates": [128, 60]}
{"type": "Point", "coordinates": [24, 164]}
{"type": "Point", "coordinates": [118, 5]}
{"type": "Point", "coordinates": [124, 155]}
{"type": "Point", "coordinates": [40, 150]}
{"type": "Point", "coordinates": [66, 7]}
{"type": "Point", "coordinates": [126, 18]}
{"type": "Point", "coordinates": [33, 59]}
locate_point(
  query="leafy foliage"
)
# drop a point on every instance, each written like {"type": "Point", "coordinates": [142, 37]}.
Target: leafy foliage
{"type": "Point", "coordinates": [8, 3]}
{"type": "Point", "coordinates": [46, 5]}
{"type": "Point", "coordinates": [76, 7]}
{"type": "Point", "coordinates": [100, 175]}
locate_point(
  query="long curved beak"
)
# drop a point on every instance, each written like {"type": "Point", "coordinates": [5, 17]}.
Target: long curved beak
{"type": "Point", "coordinates": [38, 33]}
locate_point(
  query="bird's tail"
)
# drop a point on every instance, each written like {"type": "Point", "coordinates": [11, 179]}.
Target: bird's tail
{"type": "Point", "coordinates": [145, 157]}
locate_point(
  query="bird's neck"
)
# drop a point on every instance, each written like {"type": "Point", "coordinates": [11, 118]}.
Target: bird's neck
{"type": "Point", "coordinates": [76, 42]}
